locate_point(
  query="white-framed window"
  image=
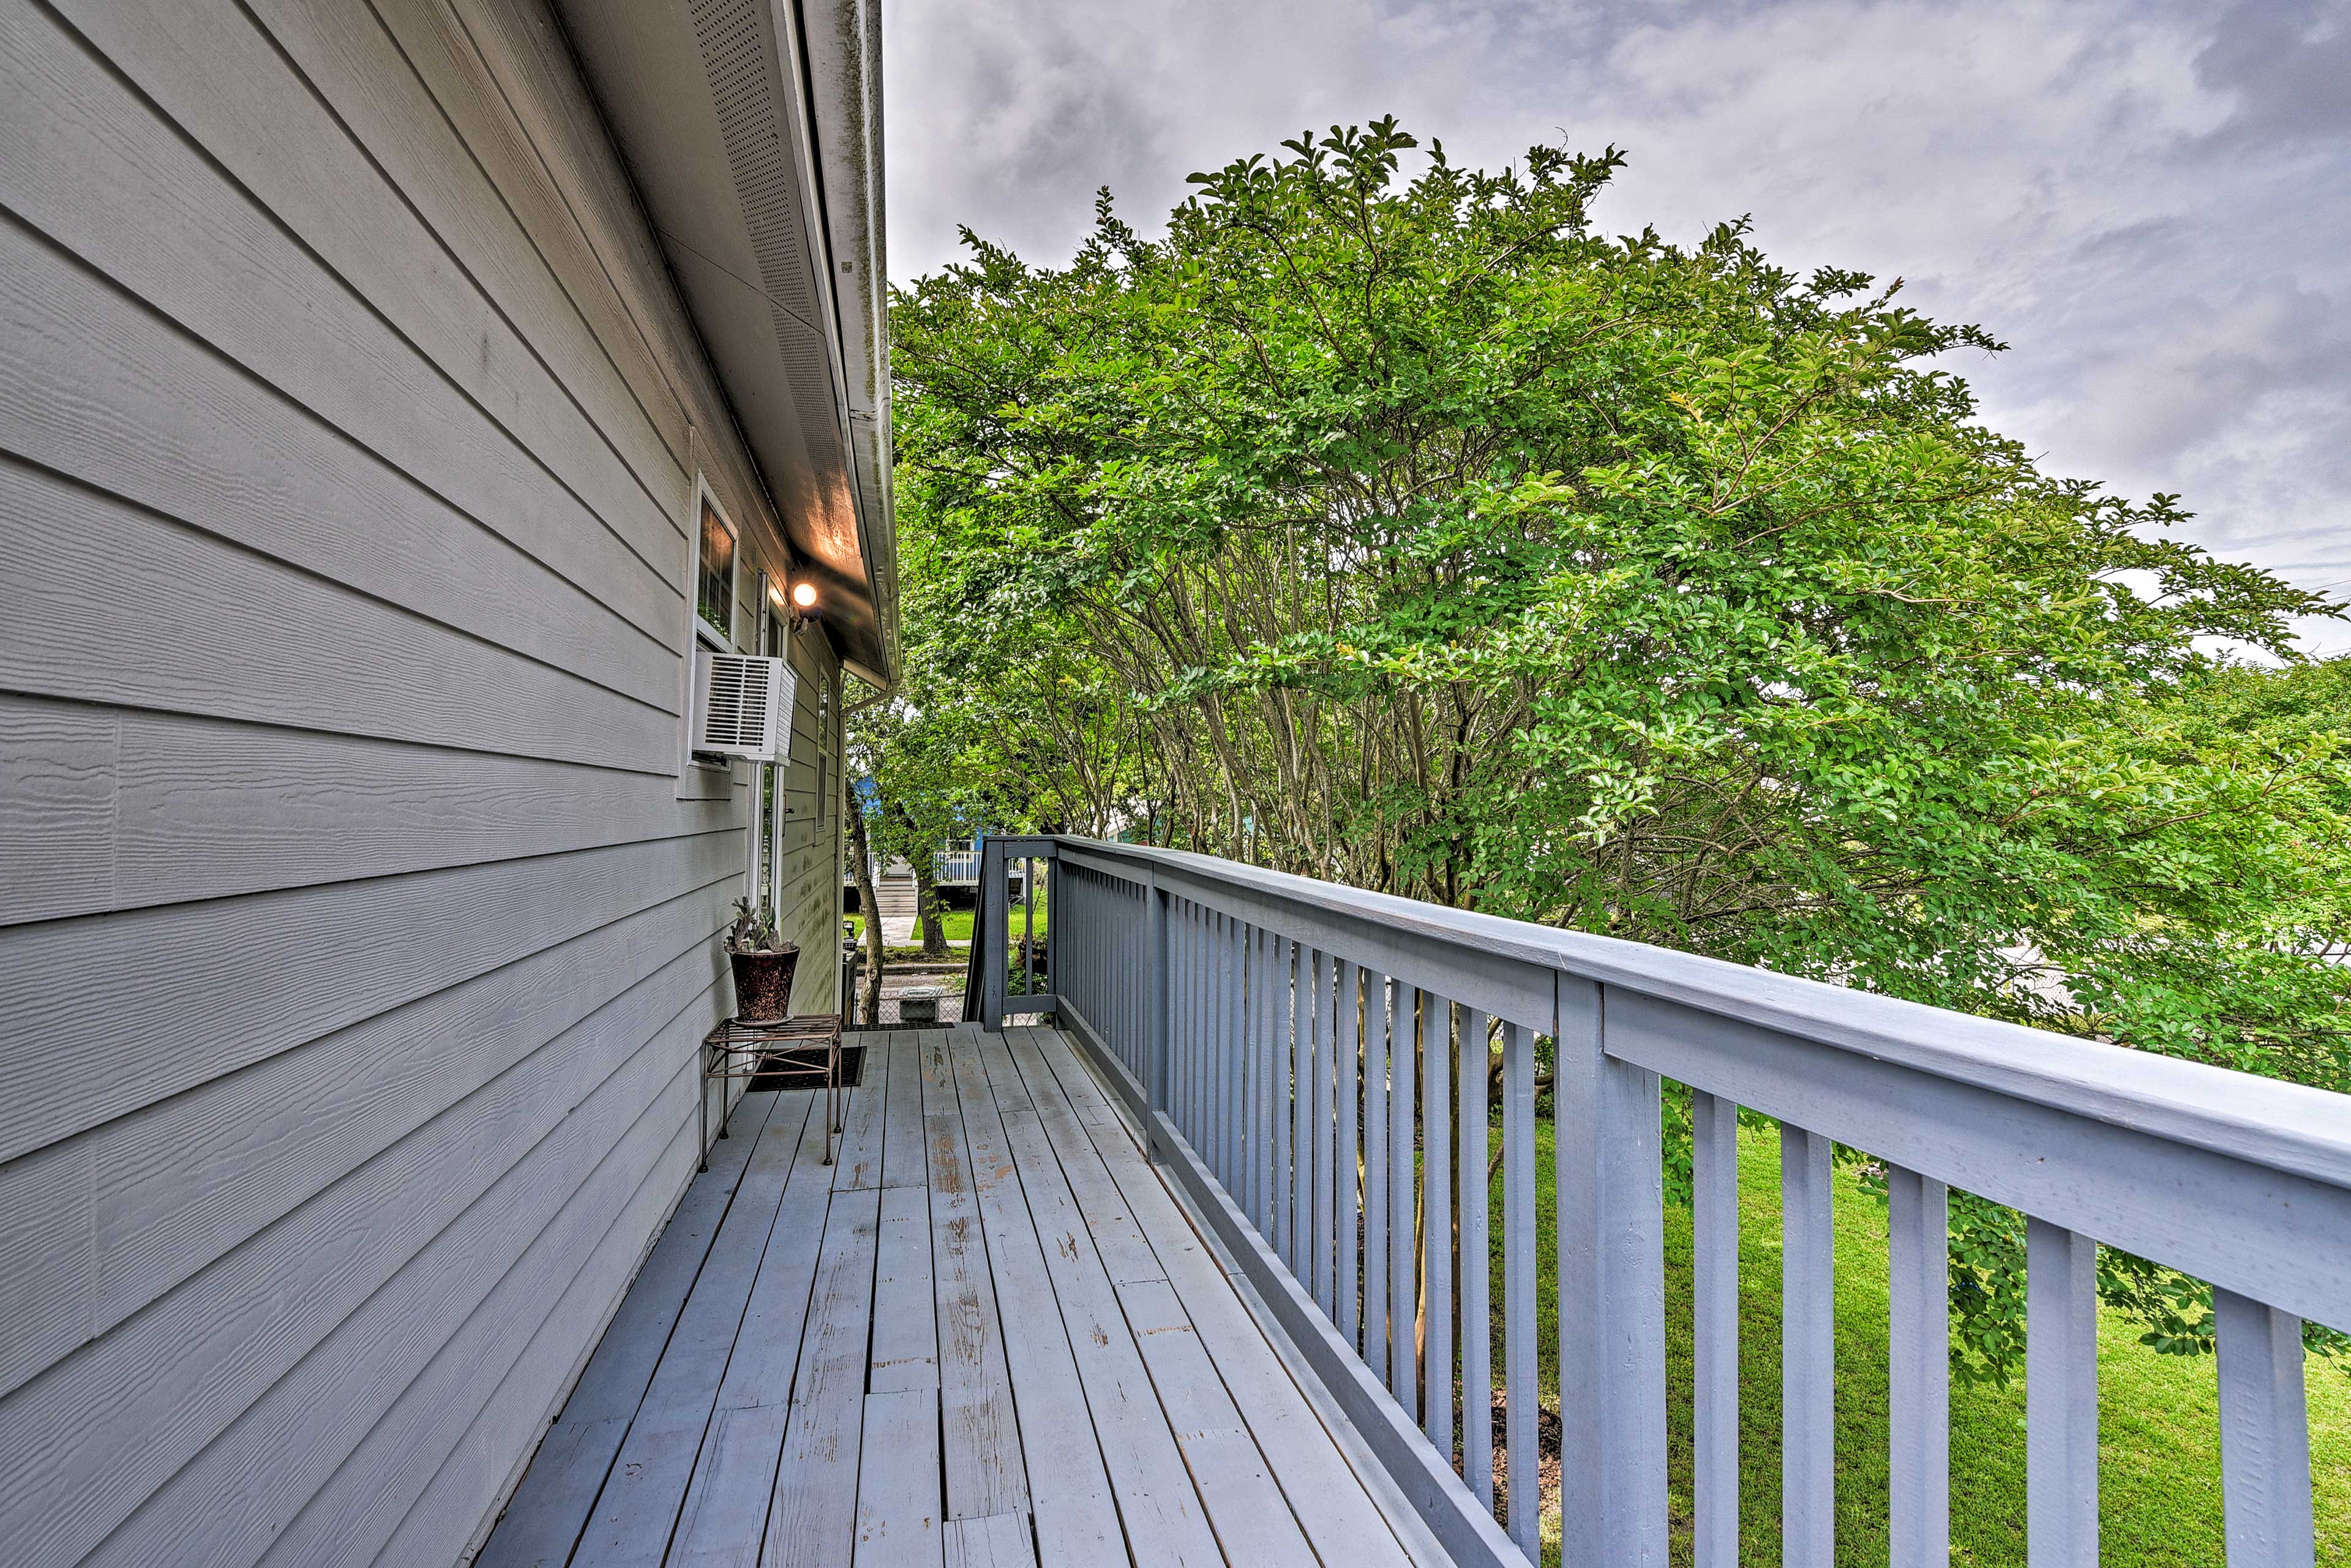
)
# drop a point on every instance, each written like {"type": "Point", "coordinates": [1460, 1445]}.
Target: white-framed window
{"type": "Point", "coordinates": [823, 748]}
{"type": "Point", "coordinates": [712, 565]}
{"type": "Point", "coordinates": [716, 545]}
{"type": "Point", "coordinates": [778, 642]}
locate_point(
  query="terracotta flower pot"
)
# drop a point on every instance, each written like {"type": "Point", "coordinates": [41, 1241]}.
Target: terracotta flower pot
{"type": "Point", "coordinates": [763, 984]}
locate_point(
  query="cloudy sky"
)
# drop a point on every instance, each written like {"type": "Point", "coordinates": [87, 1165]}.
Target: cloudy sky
{"type": "Point", "coordinates": [2149, 201]}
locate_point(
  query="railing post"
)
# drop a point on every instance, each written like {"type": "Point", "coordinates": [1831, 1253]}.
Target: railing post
{"type": "Point", "coordinates": [1612, 1294]}
{"type": "Point", "coordinates": [992, 899]}
{"type": "Point", "coordinates": [1157, 994]}
{"type": "Point", "coordinates": [1052, 857]}
{"type": "Point", "coordinates": [2061, 1395]}
{"type": "Point", "coordinates": [2264, 1435]}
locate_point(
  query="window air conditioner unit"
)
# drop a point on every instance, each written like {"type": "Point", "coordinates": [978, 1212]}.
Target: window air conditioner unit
{"type": "Point", "coordinates": [742, 706]}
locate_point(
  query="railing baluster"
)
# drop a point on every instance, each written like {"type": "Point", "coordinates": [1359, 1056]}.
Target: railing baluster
{"type": "Point", "coordinates": [1436, 1016]}
{"type": "Point", "coordinates": [1228, 1079]}
{"type": "Point", "coordinates": [1187, 977]}
{"type": "Point", "coordinates": [1376, 1098]}
{"type": "Point", "coordinates": [1257, 1139]}
{"type": "Point", "coordinates": [1236, 1123]}
{"type": "Point", "coordinates": [1477, 1315]}
{"type": "Point", "coordinates": [1288, 1190]}
{"type": "Point", "coordinates": [1204, 993]}
{"type": "Point", "coordinates": [2061, 1397]}
{"type": "Point", "coordinates": [1190, 977]}
{"type": "Point", "coordinates": [1302, 1114]}
{"type": "Point", "coordinates": [2264, 1435]}
{"type": "Point", "coordinates": [1714, 1255]}
{"type": "Point", "coordinates": [1918, 1340]}
{"type": "Point", "coordinates": [1612, 1294]}
{"type": "Point", "coordinates": [1403, 1361]}
{"type": "Point", "coordinates": [1138, 987]}
{"type": "Point", "coordinates": [1178, 1072]}
{"type": "Point", "coordinates": [1156, 990]}
{"type": "Point", "coordinates": [1519, 1247]}
{"type": "Point", "coordinates": [1204, 954]}
{"type": "Point", "coordinates": [1807, 1352]}
{"type": "Point", "coordinates": [1261, 1121]}
{"type": "Point", "coordinates": [1346, 1044]}
{"type": "Point", "coordinates": [1027, 926]}
{"type": "Point", "coordinates": [1325, 1205]}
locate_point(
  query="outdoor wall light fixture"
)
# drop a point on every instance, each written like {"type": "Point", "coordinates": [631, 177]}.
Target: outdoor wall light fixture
{"type": "Point", "coordinates": [803, 603]}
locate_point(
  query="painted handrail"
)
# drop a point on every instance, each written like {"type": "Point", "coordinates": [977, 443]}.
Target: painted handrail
{"type": "Point", "coordinates": [1293, 1051]}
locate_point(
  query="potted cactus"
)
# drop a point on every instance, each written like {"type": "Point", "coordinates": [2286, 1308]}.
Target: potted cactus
{"type": "Point", "coordinates": [763, 963]}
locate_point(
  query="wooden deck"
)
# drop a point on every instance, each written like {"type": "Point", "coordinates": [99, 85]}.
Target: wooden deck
{"type": "Point", "coordinates": [985, 1336]}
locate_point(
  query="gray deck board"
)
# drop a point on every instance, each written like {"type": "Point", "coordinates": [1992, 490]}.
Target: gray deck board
{"type": "Point", "coordinates": [903, 1160]}
{"type": "Point", "coordinates": [1331, 1502]}
{"type": "Point", "coordinates": [726, 1513]}
{"type": "Point", "coordinates": [859, 1162]}
{"type": "Point", "coordinates": [1024, 1356]}
{"type": "Point", "coordinates": [984, 1471]}
{"type": "Point", "coordinates": [813, 1518]}
{"type": "Point", "coordinates": [1161, 1507]}
{"type": "Point", "coordinates": [1076, 1517]}
{"type": "Point", "coordinates": [638, 1510]}
{"type": "Point", "coordinates": [545, 1516]}
{"type": "Point", "coordinates": [898, 1482]}
{"type": "Point", "coordinates": [999, 1541]}
{"type": "Point", "coordinates": [904, 1353]}
{"type": "Point", "coordinates": [1252, 1520]}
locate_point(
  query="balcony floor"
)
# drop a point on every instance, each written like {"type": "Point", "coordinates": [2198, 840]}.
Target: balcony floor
{"type": "Point", "coordinates": [987, 1335]}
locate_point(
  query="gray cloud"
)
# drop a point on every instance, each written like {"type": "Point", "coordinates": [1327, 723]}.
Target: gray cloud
{"type": "Point", "coordinates": [2289, 65]}
{"type": "Point", "coordinates": [2151, 201]}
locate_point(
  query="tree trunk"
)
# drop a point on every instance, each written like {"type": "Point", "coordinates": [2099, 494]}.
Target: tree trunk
{"type": "Point", "coordinates": [862, 855]}
{"type": "Point", "coordinates": [926, 907]}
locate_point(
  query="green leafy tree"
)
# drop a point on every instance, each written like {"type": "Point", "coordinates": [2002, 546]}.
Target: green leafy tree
{"type": "Point", "coordinates": [1409, 532]}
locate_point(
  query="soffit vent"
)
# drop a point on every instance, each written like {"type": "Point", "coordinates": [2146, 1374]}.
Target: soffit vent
{"type": "Point", "coordinates": [739, 63]}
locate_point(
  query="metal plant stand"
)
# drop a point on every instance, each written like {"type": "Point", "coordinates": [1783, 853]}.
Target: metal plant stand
{"type": "Point", "coordinates": [736, 1049]}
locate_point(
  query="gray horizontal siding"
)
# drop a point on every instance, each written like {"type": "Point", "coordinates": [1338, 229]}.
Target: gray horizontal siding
{"type": "Point", "coordinates": [356, 926]}
{"type": "Point", "coordinates": [225, 983]}
{"type": "Point", "coordinates": [112, 808]}
{"type": "Point", "coordinates": [174, 625]}
{"type": "Point", "coordinates": [229, 90]}
{"type": "Point", "coordinates": [125, 190]}
{"type": "Point", "coordinates": [104, 389]}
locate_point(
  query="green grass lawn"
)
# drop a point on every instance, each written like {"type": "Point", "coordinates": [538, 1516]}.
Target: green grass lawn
{"type": "Point", "coordinates": [958, 922]}
{"type": "Point", "coordinates": [2159, 1450]}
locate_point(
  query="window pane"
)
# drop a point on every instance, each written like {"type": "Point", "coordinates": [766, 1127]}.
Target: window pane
{"type": "Point", "coordinates": [771, 827]}
{"type": "Point", "coordinates": [716, 596]}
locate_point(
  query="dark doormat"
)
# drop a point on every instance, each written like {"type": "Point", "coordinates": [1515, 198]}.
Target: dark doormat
{"type": "Point", "coordinates": [802, 1067]}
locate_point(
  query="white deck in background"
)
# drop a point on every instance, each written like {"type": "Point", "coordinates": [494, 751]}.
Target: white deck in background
{"type": "Point", "coordinates": [832, 1381]}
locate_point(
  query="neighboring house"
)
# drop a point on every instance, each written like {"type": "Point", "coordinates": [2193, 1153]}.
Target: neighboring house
{"type": "Point", "coordinates": [393, 398]}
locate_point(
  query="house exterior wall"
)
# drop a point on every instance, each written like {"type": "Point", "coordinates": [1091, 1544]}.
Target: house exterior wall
{"type": "Point", "coordinates": [357, 904]}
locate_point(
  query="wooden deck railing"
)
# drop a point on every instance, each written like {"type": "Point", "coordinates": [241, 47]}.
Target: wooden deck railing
{"type": "Point", "coordinates": [1277, 1036]}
